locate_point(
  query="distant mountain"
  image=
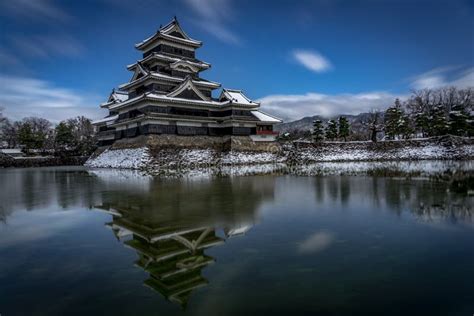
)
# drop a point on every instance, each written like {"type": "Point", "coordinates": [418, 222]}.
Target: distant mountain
{"type": "Point", "coordinates": [306, 123]}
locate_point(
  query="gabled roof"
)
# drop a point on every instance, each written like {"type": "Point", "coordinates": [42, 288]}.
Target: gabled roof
{"type": "Point", "coordinates": [173, 26]}
{"type": "Point", "coordinates": [236, 97]}
{"type": "Point", "coordinates": [163, 77]}
{"type": "Point", "coordinates": [264, 117]}
{"type": "Point", "coordinates": [187, 84]}
{"type": "Point", "coordinates": [108, 119]}
{"type": "Point", "coordinates": [166, 32]}
{"type": "Point", "coordinates": [155, 55]}
{"type": "Point", "coordinates": [184, 64]}
{"type": "Point", "coordinates": [139, 70]}
{"type": "Point", "coordinates": [116, 96]}
{"type": "Point", "coordinates": [164, 98]}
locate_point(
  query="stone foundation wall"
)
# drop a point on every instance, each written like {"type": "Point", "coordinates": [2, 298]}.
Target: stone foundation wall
{"type": "Point", "coordinates": [445, 147]}
{"type": "Point", "coordinates": [179, 154]}
{"type": "Point", "coordinates": [225, 143]}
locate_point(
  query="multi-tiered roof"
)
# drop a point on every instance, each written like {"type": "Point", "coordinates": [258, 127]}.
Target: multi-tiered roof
{"type": "Point", "coordinates": [167, 95]}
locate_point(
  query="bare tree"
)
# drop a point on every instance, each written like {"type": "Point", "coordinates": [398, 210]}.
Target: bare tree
{"type": "Point", "coordinates": [2, 118]}
{"type": "Point", "coordinates": [373, 124]}
{"type": "Point", "coordinates": [84, 134]}
{"type": "Point", "coordinates": [9, 132]}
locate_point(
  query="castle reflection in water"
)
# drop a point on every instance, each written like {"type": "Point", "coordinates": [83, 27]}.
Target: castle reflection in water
{"type": "Point", "coordinates": [171, 226]}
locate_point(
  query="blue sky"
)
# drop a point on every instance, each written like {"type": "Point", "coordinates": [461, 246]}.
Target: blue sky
{"type": "Point", "coordinates": [61, 58]}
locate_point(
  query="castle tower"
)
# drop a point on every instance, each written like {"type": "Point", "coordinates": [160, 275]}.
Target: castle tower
{"type": "Point", "coordinates": [166, 95]}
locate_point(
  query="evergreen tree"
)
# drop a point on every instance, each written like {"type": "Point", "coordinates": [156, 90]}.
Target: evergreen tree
{"type": "Point", "coordinates": [318, 131]}
{"type": "Point", "coordinates": [26, 137]}
{"type": "Point", "coordinates": [64, 136]}
{"type": "Point", "coordinates": [439, 123]}
{"type": "Point", "coordinates": [344, 128]}
{"type": "Point", "coordinates": [393, 120]}
{"type": "Point", "coordinates": [422, 123]}
{"type": "Point", "coordinates": [331, 130]}
{"type": "Point", "coordinates": [406, 127]}
{"type": "Point", "coordinates": [458, 121]}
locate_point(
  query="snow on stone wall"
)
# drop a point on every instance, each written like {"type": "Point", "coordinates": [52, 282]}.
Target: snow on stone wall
{"type": "Point", "coordinates": [134, 158]}
{"type": "Point", "coordinates": [310, 154]}
{"type": "Point", "coordinates": [249, 158]}
{"type": "Point", "coordinates": [176, 162]}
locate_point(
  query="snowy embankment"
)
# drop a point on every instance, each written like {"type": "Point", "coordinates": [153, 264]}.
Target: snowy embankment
{"type": "Point", "coordinates": [447, 148]}
{"type": "Point", "coordinates": [133, 158]}
{"type": "Point", "coordinates": [295, 158]}
{"type": "Point", "coordinates": [171, 160]}
{"type": "Point", "coordinates": [422, 168]}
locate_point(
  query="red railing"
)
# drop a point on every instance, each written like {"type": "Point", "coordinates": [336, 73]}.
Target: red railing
{"type": "Point", "coordinates": [267, 133]}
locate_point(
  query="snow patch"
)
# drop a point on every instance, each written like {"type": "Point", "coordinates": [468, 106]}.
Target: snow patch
{"type": "Point", "coordinates": [135, 158]}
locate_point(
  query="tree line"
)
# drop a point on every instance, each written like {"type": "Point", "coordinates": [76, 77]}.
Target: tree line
{"type": "Point", "coordinates": [426, 113]}
{"type": "Point", "coordinates": [74, 136]}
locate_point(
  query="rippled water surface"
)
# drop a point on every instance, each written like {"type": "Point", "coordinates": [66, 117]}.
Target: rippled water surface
{"type": "Point", "coordinates": [81, 242]}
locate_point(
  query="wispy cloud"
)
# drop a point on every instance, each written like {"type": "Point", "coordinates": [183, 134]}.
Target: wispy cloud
{"type": "Point", "coordinates": [312, 60]}
{"type": "Point", "coordinates": [212, 16]}
{"type": "Point", "coordinates": [295, 106]}
{"type": "Point", "coordinates": [445, 76]}
{"type": "Point", "coordinates": [45, 46]}
{"type": "Point", "coordinates": [44, 10]}
{"type": "Point", "coordinates": [23, 97]}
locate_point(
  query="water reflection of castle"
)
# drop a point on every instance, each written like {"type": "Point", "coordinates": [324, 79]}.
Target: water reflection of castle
{"type": "Point", "coordinates": [171, 242]}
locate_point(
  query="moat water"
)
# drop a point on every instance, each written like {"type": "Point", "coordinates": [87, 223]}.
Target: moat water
{"type": "Point", "coordinates": [101, 242]}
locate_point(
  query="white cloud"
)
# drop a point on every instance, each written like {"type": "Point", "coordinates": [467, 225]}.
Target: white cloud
{"type": "Point", "coordinates": [212, 15]}
{"type": "Point", "coordinates": [22, 97]}
{"type": "Point", "coordinates": [46, 46]}
{"type": "Point", "coordinates": [296, 106]}
{"type": "Point", "coordinates": [44, 10]}
{"type": "Point", "coordinates": [446, 76]}
{"type": "Point", "coordinates": [312, 60]}
{"type": "Point", "coordinates": [316, 242]}
{"type": "Point", "coordinates": [292, 107]}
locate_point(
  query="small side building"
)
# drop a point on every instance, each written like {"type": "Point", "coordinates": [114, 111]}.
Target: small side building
{"type": "Point", "coordinates": [166, 95]}
{"type": "Point", "coordinates": [13, 152]}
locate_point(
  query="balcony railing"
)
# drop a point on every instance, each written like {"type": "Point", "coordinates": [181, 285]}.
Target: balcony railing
{"type": "Point", "coordinates": [267, 133]}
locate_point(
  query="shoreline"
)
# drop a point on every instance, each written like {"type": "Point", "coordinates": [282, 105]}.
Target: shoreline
{"type": "Point", "coordinates": [175, 158]}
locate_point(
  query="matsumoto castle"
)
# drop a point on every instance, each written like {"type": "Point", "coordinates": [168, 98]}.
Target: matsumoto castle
{"type": "Point", "coordinates": [166, 95]}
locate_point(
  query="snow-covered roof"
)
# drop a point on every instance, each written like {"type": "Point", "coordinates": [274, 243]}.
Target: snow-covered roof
{"type": "Point", "coordinates": [106, 119]}
{"type": "Point", "coordinates": [116, 96]}
{"type": "Point", "coordinates": [184, 64]}
{"type": "Point", "coordinates": [188, 83]}
{"type": "Point", "coordinates": [165, 33]}
{"type": "Point", "coordinates": [236, 96]}
{"type": "Point", "coordinates": [264, 117]}
{"type": "Point", "coordinates": [161, 97]}
{"type": "Point", "coordinates": [155, 55]}
{"type": "Point", "coordinates": [158, 75]}
{"type": "Point", "coordinates": [11, 151]}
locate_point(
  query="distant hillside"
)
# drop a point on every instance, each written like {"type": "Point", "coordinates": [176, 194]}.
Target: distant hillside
{"type": "Point", "coordinates": [306, 123]}
{"type": "Point", "coordinates": [302, 127]}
